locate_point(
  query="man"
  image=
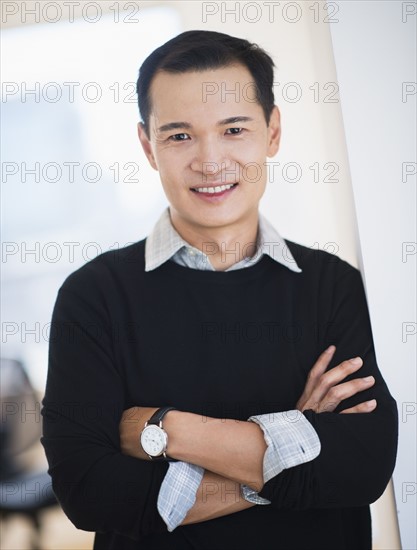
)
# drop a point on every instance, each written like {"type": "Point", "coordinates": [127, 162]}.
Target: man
{"type": "Point", "coordinates": [185, 407]}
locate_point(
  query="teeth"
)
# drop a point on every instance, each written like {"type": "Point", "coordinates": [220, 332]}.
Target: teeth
{"type": "Point", "coordinates": [217, 189]}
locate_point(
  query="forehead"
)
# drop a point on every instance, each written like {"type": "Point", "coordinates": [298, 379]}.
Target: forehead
{"type": "Point", "coordinates": [203, 93]}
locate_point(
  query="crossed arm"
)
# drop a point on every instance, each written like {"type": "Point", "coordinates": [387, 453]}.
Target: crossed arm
{"type": "Point", "coordinates": [231, 451]}
{"type": "Point", "coordinates": [103, 485]}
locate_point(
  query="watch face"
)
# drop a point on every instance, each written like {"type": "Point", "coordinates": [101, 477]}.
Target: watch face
{"type": "Point", "coordinates": [153, 440]}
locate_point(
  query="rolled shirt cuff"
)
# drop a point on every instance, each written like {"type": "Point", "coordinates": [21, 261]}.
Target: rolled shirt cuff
{"type": "Point", "coordinates": [178, 491]}
{"type": "Point", "coordinates": [291, 440]}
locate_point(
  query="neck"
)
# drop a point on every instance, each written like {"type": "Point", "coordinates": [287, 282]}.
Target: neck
{"type": "Point", "coordinates": [224, 245]}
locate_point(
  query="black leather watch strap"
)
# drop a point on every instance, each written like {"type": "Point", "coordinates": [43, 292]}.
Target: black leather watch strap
{"type": "Point", "coordinates": [158, 415]}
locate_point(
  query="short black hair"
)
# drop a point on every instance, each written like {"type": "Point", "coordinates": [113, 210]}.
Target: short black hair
{"type": "Point", "coordinates": [199, 50]}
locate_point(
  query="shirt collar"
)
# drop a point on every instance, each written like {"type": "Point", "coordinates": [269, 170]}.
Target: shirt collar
{"type": "Point", "coordinates": [164, 241]}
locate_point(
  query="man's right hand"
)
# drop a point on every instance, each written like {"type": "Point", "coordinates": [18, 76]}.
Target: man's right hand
{"type": "Point", "coordinates": [323, 391]}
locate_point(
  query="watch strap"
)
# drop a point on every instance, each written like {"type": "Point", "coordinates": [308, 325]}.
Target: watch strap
{"type": "Point", "coordinates": [158, 415]}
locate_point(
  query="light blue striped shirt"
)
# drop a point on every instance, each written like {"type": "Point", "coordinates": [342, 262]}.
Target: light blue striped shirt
{"type": "Point", "coordinates": [291, 440]}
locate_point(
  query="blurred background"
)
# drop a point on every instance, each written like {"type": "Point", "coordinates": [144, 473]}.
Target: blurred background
{"type": "Point", "coordinates": [75, 183]}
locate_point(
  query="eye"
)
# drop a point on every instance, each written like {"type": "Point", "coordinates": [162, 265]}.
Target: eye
{"type": "Point", "coordinates": [178, 137]}
{"type": "Point", "coordinates": [239, 131]}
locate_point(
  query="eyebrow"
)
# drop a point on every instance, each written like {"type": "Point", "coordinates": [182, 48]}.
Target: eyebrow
{"type": "Point", "coordinates": [178, 125]}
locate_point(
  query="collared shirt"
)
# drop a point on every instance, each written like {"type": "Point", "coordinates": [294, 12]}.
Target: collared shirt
{"type": "Point", "coordinates": [291, 440]}
{"type": "Point", "coordinates": [164, 243]}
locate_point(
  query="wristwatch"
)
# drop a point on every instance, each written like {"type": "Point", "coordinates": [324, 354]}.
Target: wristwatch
{"type": "Point", "coordinates": [153, 438]}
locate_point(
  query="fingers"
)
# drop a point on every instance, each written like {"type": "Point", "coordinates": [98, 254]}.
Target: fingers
{"type": "Point", "coordinates": [322, 362]}
{"type": "Point", "coordinates": [332, 378]}
{"type": "Point", "coordinates": [339, 393]}
{"type": "Point", "coordinates": [324, 391]}
{"type": "Point", "coordinates": [366, 407]}
{"type": "Point", "coordinates": [318, 369]}
{"type": "Point", "coordinates": [339, 373]}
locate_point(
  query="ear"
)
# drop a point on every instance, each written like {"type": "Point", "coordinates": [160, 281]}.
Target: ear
{"type": "Point", "coordinates": [146, 145]}
{"type": "Point", "coordinates": [274, 132]}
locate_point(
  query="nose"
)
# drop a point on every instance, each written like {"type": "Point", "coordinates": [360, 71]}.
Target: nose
{"type": "Point", "coordinates": [210, 158]}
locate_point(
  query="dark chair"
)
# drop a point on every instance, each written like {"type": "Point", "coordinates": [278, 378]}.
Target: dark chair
{"type": "Point", "coordinates": [24, 490]}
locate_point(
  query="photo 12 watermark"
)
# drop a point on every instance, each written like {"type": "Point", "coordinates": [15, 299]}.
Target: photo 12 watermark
{"type": "Point", "coordinates": [69, 172]}
{"type": "Point", "coordinates": [269, 12]}
{"type": "Point", "coordinates": [290, 92]}
{"type": "Point", "coordinates": [69, 12]}
{"type": "Point", "coordinates": [68, 92]}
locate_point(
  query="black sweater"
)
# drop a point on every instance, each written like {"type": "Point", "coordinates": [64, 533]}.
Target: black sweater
{"type": "Point", "coordinates": [222, 344]}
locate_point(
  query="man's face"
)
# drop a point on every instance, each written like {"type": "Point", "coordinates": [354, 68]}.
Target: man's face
{"type": "Point", "coordinates": [194, 143]}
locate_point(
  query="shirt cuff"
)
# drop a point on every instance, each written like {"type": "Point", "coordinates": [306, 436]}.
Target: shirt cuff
{"type": "Point", "coordinates": [177, 493]}
{"type": "Point", "coordinates": [291, 440]}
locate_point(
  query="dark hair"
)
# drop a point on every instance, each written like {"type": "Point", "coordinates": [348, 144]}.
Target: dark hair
{"type": "Point", "coordinates": [203, 50]}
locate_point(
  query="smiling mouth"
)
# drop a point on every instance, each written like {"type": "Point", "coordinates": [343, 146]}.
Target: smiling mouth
{"type": "Point", "coordinates": [214, 189]}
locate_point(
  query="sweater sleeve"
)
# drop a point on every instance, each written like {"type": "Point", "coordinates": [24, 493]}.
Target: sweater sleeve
{"type": "Point", "coordinates": [98, 487]}
{"type": "Point", "coordinates": [358, 450]}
